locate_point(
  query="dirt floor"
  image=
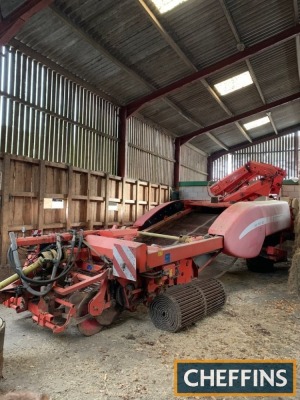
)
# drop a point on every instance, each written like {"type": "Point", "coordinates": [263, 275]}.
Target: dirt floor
{"type": "Point", "coordinates": [133, 360]}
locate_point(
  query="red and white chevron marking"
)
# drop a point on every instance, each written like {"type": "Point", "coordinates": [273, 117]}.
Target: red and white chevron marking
{"type": "Point", "coordinates": [124, 262]}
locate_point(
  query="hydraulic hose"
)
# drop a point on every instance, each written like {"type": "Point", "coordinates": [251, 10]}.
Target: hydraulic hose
{"type": "Point", "coordinates": [52, 255]}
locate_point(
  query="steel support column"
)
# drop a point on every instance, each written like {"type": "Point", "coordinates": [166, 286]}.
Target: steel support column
{"type": "Point", "coordinates": [296, 152]}
{"type": "Point", "coordinates": [209, 169]}
{"type": "Point", "coordinates": [177, 164]}
{"type": "Point", "coordinates": [122, 158]}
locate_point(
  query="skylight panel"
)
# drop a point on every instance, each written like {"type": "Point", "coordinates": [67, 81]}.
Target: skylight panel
{"type": "Point", "coordinates": [256, 123]}
{"type": "Point", "coordinates": [166, 5]}
{"type": "Point", "coordinates": [235, 83]}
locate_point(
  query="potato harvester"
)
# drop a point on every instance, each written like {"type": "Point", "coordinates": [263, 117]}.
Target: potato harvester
{"type": "Point", "coordinates": [87, 278]}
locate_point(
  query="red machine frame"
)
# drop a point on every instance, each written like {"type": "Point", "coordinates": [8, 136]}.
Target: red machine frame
{"type": "Point", "coordinates": [88, 277]}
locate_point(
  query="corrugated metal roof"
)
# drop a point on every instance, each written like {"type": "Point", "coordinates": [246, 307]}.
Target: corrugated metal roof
{"type": "Point", "coordinates": [288, 112]}
{"type": "Point", "coordinates": [116, 47]}
{"type": "Point", "coordinates": [277, 72]}
{"type": "Point", "coordinates": [7, 7]}
{"type": "Point", "coordinates": [203, 142]}
{"type": "Point", "coordinates": [168, 118]}
{"type": "Point", "coordinates": [135, 41]}
{"type": "Point", "coordinates": [229, 135]}
{"type": "Point", "coordinates": [196, 101]}
{"type": "Point", "coordinates": [200, 30]}
{"type": "Point", "coordinates": [258, 19]}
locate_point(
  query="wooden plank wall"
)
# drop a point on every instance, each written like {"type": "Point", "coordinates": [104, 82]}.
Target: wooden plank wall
{"type": "Point", "coordinates": [87, 197]}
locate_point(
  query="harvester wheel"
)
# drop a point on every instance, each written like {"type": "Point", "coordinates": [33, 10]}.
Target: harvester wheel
{"type": "Point", "coordinates": [90, 326]}
{"type": "Point", "coordinates": [260, 264]}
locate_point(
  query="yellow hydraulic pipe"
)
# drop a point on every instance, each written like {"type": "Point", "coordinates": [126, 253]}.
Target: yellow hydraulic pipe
{"type": "Point", "coordinates": [49, 255]}
{"type": "Point", "coordinates": [158, 235]}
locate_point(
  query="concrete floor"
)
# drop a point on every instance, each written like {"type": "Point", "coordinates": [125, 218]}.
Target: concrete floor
{"type": "Point", "coordinates": [133, 360]}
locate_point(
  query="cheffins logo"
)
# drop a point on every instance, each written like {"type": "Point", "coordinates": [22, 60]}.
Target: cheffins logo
{"type": "Point", "coordinates": [235, 377]}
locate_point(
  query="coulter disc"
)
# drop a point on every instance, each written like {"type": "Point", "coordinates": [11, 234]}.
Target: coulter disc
{"type": "Point", "coordinates": [89, 326]}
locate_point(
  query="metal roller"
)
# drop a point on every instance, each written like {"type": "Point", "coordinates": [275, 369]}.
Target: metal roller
{"type": "Point", "coordinates": [178, 307]}
{"type": "Point", "coordinates": [213, 292]}
{"type": "Point", "coordinates": [182, 305]}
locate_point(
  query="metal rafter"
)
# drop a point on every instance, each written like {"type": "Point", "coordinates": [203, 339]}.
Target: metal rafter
{"type": "Point", "coordinates": [11, 25]}
{"type": "Point", "coordinates": [266, 107]}
{"type": "Point", "coordinates": [236, 58]}
{"type": "Point", "coordinates": [262, 139]}
{"type": "Point", "coordinates": [102, 50]}
{"type": "Point", "coordinates": [167, 37]}
{"type": "Point", "coordinates": [296, 20]}
{"type": "Point", "coordinates": [298, 54]}
{"type": "Point", "coordinates": [240, 45]}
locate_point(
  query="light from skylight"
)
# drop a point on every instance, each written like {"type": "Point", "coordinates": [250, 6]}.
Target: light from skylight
{"type": "Point", "coordinates": [166, 5]}
{"type": "Point", "coordinates": [256, 123]}
{"type": "Point", "coordinates": [234, 83]}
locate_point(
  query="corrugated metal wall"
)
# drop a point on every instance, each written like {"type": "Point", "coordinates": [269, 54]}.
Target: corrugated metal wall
{"type": "Point", "coordinates": [150, 153]}
{"type": "Point", "coordinates": [193, 164]}
{"type": "Point", "coordinates": [220, 168]}
{"type": "Point", "coordinates": [46, 116]}
{"type": "Point", "coordinates": [282, 152]}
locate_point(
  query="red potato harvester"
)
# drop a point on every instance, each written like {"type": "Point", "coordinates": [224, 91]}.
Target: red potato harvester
{"type": "Point", "coordinates": [87, 278]}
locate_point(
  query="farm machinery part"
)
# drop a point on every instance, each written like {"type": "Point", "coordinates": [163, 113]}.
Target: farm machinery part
{"type": "Point", "coordinates": [251, 182]}
{"type": "Point", "coordinates": [87, 278]}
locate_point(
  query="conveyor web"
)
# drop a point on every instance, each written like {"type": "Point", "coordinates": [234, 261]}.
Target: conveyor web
{"type": "Point", "coordinates": [194, 223]}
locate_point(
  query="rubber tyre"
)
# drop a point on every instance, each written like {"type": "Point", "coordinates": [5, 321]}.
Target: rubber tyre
{"type": "Point", "coordinates": [260, 264]}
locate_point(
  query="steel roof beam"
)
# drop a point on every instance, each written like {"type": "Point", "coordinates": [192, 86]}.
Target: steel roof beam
{"type": "Point", "coordinates": [218, 66]}
{"type": "Point", "coordinates": [102, 50]}
{"type": "Point", "coordinates": [266, 107]}
{"type": "Point", "coordinates": [167, 37]}
{"type": "Point", "coordinates": [11, 25]}
{"type": "Point", "coordinates": [262, 139]}
{"type": "Point", "coordinates": [241, 45]}
{"type": "Point", "coordinates": [296, 17]}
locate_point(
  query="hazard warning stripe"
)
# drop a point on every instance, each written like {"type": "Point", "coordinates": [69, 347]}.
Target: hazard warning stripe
{"type": "Point", "coordinates": [124, 262]}
{"type": "Point", "coordinates": [128, 257]}
{"type": "Point", "coordinates": [119, 267]}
